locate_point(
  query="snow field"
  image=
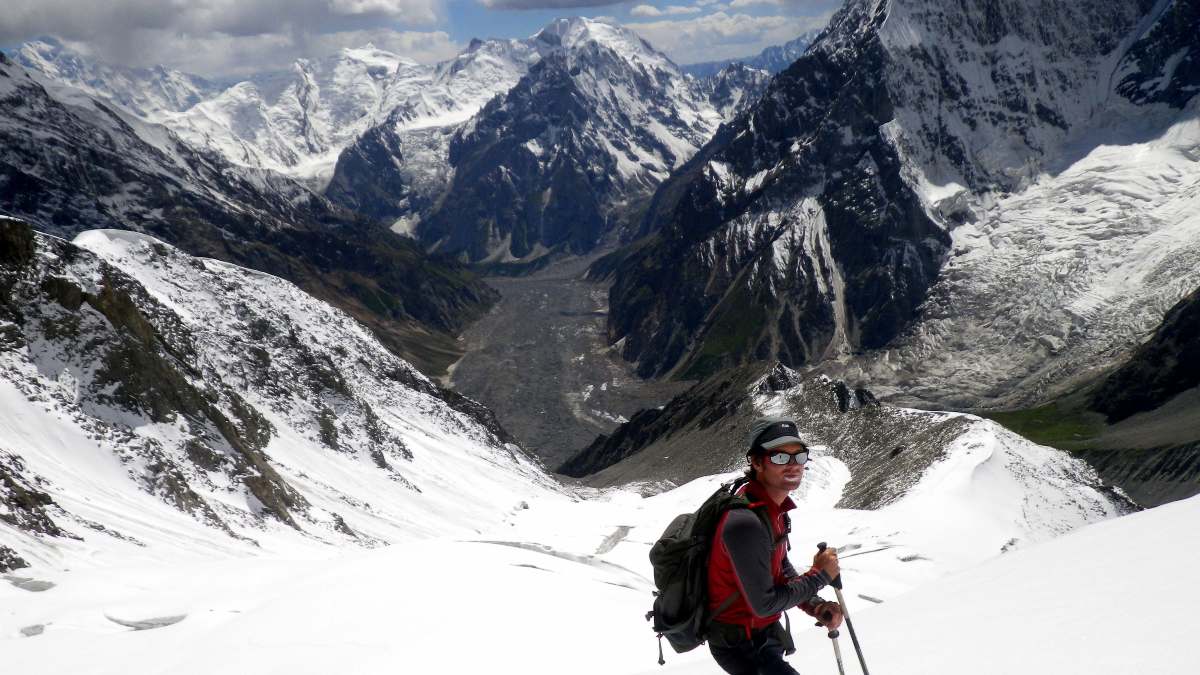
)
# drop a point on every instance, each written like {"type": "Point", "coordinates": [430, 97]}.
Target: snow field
{"type": "Point", "coordinates": [562, 580]}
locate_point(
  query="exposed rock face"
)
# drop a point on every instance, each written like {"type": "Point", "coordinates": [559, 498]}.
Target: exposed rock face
{"type": "Point", "coordinates": [819, 226]}
{"type": "Point", "coordinates": [1167, 364]}
{"type": "Point", "coordinates": [561, 158]}
{"type": "Point", "coordinates": [1163, 66]}
{"type": "Point", "coordinates": [735, 88]}
{"type": "Point", "coordinates": [793, 234]}
{"type": "Point", "coordinates": [886, 450]}
{"type": "Point", "coordinates": [71, 163]}
{"type": "Point", "coordinates": [9, 560]}
{"type": "Point", "coordinates": [1150, 476]}
{"type": "Point", "coordinates": [218, 390]}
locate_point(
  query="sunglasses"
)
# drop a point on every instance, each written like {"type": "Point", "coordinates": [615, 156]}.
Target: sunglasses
{"type": "Point", "coordinates": [785, 458]}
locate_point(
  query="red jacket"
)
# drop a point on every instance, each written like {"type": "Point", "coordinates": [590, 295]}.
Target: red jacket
{"type": "Point", "coordinates": [758, 571]}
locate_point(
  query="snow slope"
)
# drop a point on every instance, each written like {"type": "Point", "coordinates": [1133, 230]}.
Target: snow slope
{"type": "Point", "coordinates": [560, 582]}
{"type": "Point", "coordinates": [170, 408]}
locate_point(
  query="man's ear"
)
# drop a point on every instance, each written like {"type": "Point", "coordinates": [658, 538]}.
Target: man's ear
{"type": "Point", "coordinates": [756, 462]}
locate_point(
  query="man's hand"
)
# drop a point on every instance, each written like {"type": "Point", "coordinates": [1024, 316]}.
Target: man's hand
{"type": "Point", "coordinates": [829, 614]}
{"type": "Point", "coordinates": [827, 560]}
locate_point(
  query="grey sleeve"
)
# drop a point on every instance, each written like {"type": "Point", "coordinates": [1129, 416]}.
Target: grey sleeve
{"type": "Point", "coordinates": [788, 570]}
{"type": "Point", "coordinates": [750, 548]}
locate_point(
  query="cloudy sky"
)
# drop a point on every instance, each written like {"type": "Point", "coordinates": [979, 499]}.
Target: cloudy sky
{"type": "Point", "coordinates": [220, 38]}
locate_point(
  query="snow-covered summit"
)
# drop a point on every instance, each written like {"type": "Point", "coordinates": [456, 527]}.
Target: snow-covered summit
{"type": "Point", "coordinates": [570, 153]}
{"type": "Point", "coordinates": [150, 93]}
{"type": "Point", "coordinates": [575, 34]}
{"type": "Point", "coordinates": [299, 124]}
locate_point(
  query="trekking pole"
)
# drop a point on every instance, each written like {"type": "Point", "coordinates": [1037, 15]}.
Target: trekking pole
{"type": "Point", "coordinates": [837, 651]}
{"type": "Point", "coordinates": [837, 588]}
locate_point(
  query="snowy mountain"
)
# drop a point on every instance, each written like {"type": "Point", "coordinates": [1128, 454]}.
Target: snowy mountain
{"type": "Point", "coordinates": [150, 93]}
{"type": "Point", "coordinates": [398, 168]}
{"type": "Point", "coordinates": [773, 59]}
{"type": "Point", "coordinates": [568, 155]}
{"type": "Point", "coordinates": [294, 123]}
{"type": "Point", "coordinates": [298, 125]}
{"type": "Point", "coordinates": [192, 407]}
{"type": "Point", "coordinates": [588, 133]}
{"type": "Point", "coordinates": [71, 162]}
{"type": "Point", "coordinates": [960, 205]}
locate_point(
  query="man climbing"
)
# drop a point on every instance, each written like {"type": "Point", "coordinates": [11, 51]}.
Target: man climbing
{"type": "Point", "coordinates": [750, 580]}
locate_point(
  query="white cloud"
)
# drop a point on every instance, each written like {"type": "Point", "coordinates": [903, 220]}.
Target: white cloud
{"type": "Point", "coordinates": [738, 4]}
{"type": "Point", "coordinates": [721, 35]}
{"type": "Point", "coordinates": [220, 55]}
{"type": "Point", "coordinates": [546, 4]}
{"type": "Point", "coordinates": [223, 37]}
{"type": "Point", "coordinates": [669, 10]}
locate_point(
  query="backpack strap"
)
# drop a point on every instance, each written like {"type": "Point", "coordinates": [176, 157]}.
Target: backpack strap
{"type": "Point", "coordinates": [725, 604]}
{"type": "Point", "coordinates": [790, 647]}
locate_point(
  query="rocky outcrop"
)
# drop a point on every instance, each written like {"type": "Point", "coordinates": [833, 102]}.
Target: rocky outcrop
{"type": "Point", "coordinates": [25, 507]}
{"type": "Point", "coordinates": [1167, 364]}
{"type": "Point", "coordinates": [885, 450]}
{"type": "Point", "coordinates": [1150, 476]}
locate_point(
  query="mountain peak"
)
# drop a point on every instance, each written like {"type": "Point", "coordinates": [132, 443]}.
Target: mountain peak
{"type": "Point", "coordinates": [573, 32]}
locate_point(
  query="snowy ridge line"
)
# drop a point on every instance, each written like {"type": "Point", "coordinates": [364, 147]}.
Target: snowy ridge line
{"type": "Point", "coordinates": [179, 407]}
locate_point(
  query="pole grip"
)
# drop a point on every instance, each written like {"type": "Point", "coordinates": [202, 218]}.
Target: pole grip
{"type": "Point", "coordinates": [837, 581]}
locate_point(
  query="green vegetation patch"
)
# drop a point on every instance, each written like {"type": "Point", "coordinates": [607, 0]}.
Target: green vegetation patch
{"type": "Point", "coordinates": [736, 327]}
{"type": "Point", "coordinates": [1057, 425]}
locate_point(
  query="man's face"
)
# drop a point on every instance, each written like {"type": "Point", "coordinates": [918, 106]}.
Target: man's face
{"type": "Point", "coordinates": [785, 477]}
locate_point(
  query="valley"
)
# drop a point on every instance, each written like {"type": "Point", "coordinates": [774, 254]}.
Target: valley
{"type": "Point", "coordinates": [540, 360]}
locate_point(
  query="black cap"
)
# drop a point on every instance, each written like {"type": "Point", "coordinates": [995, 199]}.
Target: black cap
{"type": "Point", "coordinates": [769, 433]}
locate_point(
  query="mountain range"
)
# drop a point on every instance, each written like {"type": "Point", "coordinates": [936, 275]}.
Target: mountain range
{"type": "Point", "coordinates": [409, 144]}
{"type": "Point", "coordinates": [773, 59]}
{"type": "Point", "coordinates": [961, 206]}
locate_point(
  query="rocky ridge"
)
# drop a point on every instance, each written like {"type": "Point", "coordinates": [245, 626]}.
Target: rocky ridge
{"type": "Point", "coordinates": [884, 450]}
{"type": "Point", "coordinates": [224, 394]}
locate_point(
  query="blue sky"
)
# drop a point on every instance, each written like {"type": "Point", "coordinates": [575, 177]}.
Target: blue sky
{"type": "Point", "coordinates": [220, 38]}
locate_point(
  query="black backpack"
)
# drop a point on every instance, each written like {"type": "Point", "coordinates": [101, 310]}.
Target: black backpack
{"type": "Point", "coordinates": [680, 560]}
